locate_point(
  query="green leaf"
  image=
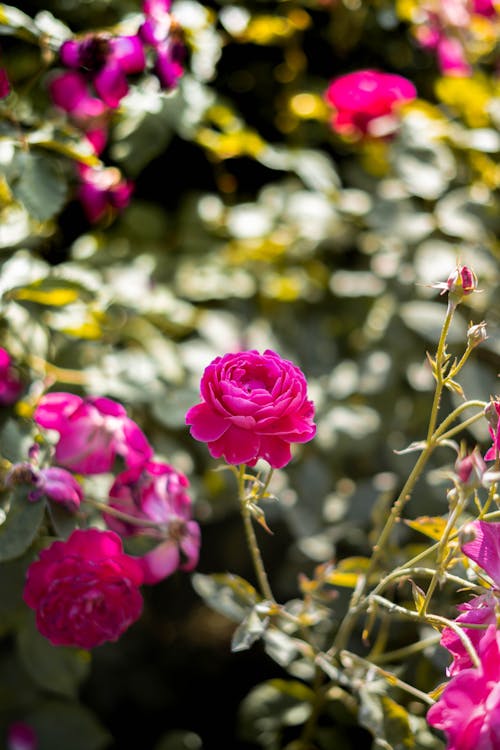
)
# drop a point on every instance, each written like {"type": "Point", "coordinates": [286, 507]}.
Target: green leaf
{"type": "Point", "coordinates": [12, 578]}
{"type": "Point", "coordinates": [40, 187]}
{"type": "Point", "coordinates": [396, 724]}
{"type": "Point", "coordinates": [57, 669]}
{"type": "Point", "coordinates": [250, 630]}
{"type": "Point", "coordinates": [272, 706]}
{"type": "Point", "coordinates": [21, 525]}
{"type": "Point", "coordinates": [179, 739]}
{"type": "Point", "coordinates": [63, 521]}
{"type": "Point", "coordinates": [228, 594]}
{"type": "Point", "coordinates": [58, 724]}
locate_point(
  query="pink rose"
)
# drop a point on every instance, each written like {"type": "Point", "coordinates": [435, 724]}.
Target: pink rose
{"type": "Point", "coordinates": [84, 590]}
{"type": "Point", "coordinates": [92, 431]}
{"type": "Point", "coordinates": [253, 406]}
{"type": "Point", "coordinates": [481, 610]}
{"type": "Point", "coordinates": [468, 711]}
{"type": "Point", "coordinates": [157, 493]}
{"type": "Point", "coordinates": [363, 97]}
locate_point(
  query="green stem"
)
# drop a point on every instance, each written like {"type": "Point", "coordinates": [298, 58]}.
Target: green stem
{"type": "Point", "coordinates": [105, 508]}
{"type": "Point", "coordinates": [440, 379]}
{"type": "Point", "coordinates": [456, 413]}
{"type": "Point", "coordinates": [253, 547]}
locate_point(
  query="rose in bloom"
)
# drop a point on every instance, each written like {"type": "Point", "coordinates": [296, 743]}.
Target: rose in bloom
{"type": "Point", "coordinates": [484, 550]}
{"type": "Point", "coordinates": [54, 483]}
{"type": "Point", "coordinates": [92, 432]}
{"type": "Point", "coordinates": [253, 406]}
{"type": "Point", "coordinates": [365, 102]}
{"type": "Point", "coordinates": [10, 385]}
{"type": "Point", "coordinates": [105, 62]}
{"type": "Point", "coordinates": [157, 493]}
{"type": "Point", "coordinates": [468, 711]}
{"type": "Point", "coordinates": [85, 591]}
{"type": "Point", "coordinates": [103, 192]}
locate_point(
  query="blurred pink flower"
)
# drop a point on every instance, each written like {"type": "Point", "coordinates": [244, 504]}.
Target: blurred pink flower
{"type": "Point", "coordinates": [157, 492]}
{"type": "Point", "coordinates": [105, 62]}
{"type": "Point", "coordinates": [4, 84]}
{"type": "Point", "coordinates": [161, 32]}
{"type": "Point", "coordinates": [492, 414]}
{"type": "Point", "coordinates": [451, 57]}
{"type": "Point", "coordinates": [103, 192]}
{"type": "Point", "coordinates": [85, 591]}
{"type": "Point", "coordinates": [360, 99]}
{"type": "Point", "coordinates": [70, 92]}
{"type": "Point", "coordinates": [468, 711]}
{"type": "Point", "coordinates": [21, 736]}
{"type": "Point", "coordinates": [10, 385]}
{"type": "Point", "coordinates": [253, 406]}
{"type": "Point", "coordinates": [92, 431]}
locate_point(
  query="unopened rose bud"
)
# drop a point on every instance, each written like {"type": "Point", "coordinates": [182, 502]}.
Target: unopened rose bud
{"type": "Point", "coordinates": [461, 282]}
{"type": "Point", "coordinates": [491, 412]}
{"type": "Point", "coordinates": [476, 334]}
{"type": "Point", "coordinates": [470, 469]}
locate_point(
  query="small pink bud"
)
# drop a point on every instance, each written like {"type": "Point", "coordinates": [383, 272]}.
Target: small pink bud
{"type": "Point", "coordinates": [461, 282]}
{"type": "Point", "coordinates": [477, 334]}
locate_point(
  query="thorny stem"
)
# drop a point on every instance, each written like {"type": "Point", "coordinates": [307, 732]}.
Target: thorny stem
{"type": "Point", "coordinates": [252, 539]}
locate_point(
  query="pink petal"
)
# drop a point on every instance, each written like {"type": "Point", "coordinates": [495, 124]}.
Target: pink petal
{"type": "Point", "coordinates": [54, 409]}
{"type": "Point", "coordinates": [111, 84]}
{"type": "Point", "coordinates": [485, 548]}
{"type": "Point", "coordinates": [206, 424]}
{"type": "Point", "coordinates": [129, 53]}
{"type": "Point", "coordinates": [160, 562]}
{"type": "Point", "coordinates": [237, 446]}
{"type": "Point", "coordinates": [275, 451]}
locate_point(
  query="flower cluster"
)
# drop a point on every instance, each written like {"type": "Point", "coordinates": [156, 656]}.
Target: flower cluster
{"type": "Point", "coordinates": [469, 703]}
{"type": "Point", "coordinates": [97, 71]}
{"type": "Point", "coordinates": [366, 103]}
{"type": "Point", "coordinates": [85, 590]}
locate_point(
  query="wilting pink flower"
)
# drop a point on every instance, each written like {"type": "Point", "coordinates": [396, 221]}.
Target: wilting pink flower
{"type": "Point", "coordinates": [92, 431]}
{"type": "Point", "coordinates": [468, 711]}
{"type": "Point", "coordinates": [483, 549]}
{"type": "Point", "coordinates": [84, 590]}
{"type": "Point", "coordinates": [105, 62]}
{"type": "Point", "coordinates": [156, 492]}
{"type": "Point", "coordinates": [54, 483]}
{"type": "Point", "coordinates": [253, 406]}
{"type": "Point", "coordinates": [21, 736]}
{"type": "Point", "coordinates": [103, 192]}
{"type": "Point", "coordinates": [362, 98]}
{"type": "Point", "coordinates": [10, 385]}
{"type": "Point", "coordinates": [4, 84]}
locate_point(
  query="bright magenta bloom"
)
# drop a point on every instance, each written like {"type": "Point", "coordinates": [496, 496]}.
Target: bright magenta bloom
{"type": "Point", "coordinates": [92, 431]}
{"type": "Point", "coordinates": [104, 62]}
{"type": "Point", "coordinates": [103, 192]}
{"type": "Point", "coordinates": [163, 35]}
{"type": "Point", "coordinates": [468, 711]}
{"type": "Point", "coordinates": [157, 492]}
{"type": "Point", "coordinates": [85, 591]}
{"type": "Point", "coordinates": [253, 406]}
{"type": "Point", "coordinates": [484, 550]}
{"type": "Point", "coordinates": [10, 385]}
{"type": "Point", "coordinates": [363, 97]}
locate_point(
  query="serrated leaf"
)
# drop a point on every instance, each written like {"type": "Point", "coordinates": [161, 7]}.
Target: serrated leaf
{"type": "Point", "coordinates": [431, 526]}
{"type": "Point", "coordinates": [21, 525]}
{"type": "Point", "coordinates": [228, 594]}
{"type": "Point", "coordinates": [41, 187]}
{"type": "Point", "coordinates": [57, 669]}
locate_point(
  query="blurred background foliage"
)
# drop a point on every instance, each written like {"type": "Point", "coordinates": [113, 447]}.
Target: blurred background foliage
{"type": "Point", "coordinates": [252, 225]}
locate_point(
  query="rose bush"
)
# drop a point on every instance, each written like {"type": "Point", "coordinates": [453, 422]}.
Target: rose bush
{"type": "Point", "coordinates": [85, 591]}
{"type": "Point", "coordinates": [254, 406]}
